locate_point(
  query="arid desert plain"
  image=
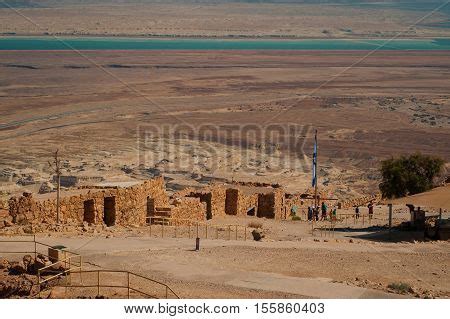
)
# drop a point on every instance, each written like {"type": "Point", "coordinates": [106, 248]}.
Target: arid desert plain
{"type": "Point", "coordinates": [194, 118]}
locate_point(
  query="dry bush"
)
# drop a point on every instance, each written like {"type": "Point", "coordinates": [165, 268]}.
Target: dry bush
{"type": "Point", "coordinates": [400, 287]}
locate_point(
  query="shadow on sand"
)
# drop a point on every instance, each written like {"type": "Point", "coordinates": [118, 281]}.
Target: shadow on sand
{"type": "Point", "coordinates": [382, 234]}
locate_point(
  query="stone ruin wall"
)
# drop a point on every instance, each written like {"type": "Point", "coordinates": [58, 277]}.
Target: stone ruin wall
{"type": "Point", "coordinates": [247, 202]}
{"type": "Point", "coordinates": [130, 205]}
{"type": "Point", "coordinates": [218, 196]}
{"type": "Point", "coordinates": [188, 208]}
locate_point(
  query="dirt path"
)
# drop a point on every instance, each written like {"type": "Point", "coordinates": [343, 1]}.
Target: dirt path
{"type": "Point", "coordinates": [273, 269]}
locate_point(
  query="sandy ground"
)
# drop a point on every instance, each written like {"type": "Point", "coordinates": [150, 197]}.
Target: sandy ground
{"type": "Point", "coordinates": [97, 108]}
{"type": "Point", "coordinates": [222, 19]}
{"type": "Point", "coordinates": [356, 261]}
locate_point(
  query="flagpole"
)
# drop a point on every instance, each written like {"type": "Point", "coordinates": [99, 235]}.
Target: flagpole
{"type": "Point", "coordinates": [316, 202]}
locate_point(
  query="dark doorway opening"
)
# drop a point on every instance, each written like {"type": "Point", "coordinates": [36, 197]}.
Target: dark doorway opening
{"type": "Point", "coordinates": [89, 211]}
{"type": "Point", "coordinates": [150, 207]}
{"type": "Point", "coordinates": [109, 211]}
{"type": "Point", "coordinates": [231, 201]}
{"type": "Point", "coordinates": [251, 211]}
{"type": "Point", "coordinates": [204, 198]}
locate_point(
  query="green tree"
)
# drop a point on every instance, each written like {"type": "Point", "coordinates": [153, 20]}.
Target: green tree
{"type": "Point", "coordinates": [408, 175]}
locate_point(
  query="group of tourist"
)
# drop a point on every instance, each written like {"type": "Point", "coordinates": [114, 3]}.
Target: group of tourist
{"type": "Point", "coordinates": [313, 212]}
{"type": "Point", "coordinates": [370, 208]}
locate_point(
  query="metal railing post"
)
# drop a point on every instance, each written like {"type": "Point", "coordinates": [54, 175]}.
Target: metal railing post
{"type": "Point", "coordinates": [245, 233]}
{"type": "Point", "coordinates": [229, 232]}
{"type": "Point", "coordinates": [150, 227]}
{"type": "Point", "coordinates": [217, 232]}
{"type": "Point", "coordinates": [35, 247]}
{"type": "Point", "coordinates": [98, 283]}
{"type": "Point", "coordinates": [128, 284]}
{"type": "Point", "coordinates": [162, 227]}
{"type": "Point", "coordinates": [176, 228]}
{"type": "Point", "coordinates": [81, 268]}
{"type": "Point", "coordinates": [197, 230]}
{"type": "Point", "coordinates": [236, 232]}
{"type": "Point", "coordinates": [206, 231]}
{"type": "Point", "coordinates": [39, 282]}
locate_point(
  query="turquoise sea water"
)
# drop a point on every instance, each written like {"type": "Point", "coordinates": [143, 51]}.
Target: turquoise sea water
{"type": "Point", "coordinates": [109, 43]}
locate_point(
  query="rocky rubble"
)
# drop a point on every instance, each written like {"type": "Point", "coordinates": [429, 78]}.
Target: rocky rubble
{"type": "Point", "coordinates": [18, 278]}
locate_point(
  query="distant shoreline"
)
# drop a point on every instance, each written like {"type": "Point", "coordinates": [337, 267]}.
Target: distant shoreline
{"type": "Point", "coordinates": [63, 43]}
{"type": "Point", "coordinates": [199, 37]}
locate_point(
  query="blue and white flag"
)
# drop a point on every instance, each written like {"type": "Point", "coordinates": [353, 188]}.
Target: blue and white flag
{"type": "Point", "coordinates": [314, 168]}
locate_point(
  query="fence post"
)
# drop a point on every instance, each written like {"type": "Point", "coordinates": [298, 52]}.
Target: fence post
{"type": "Point", "coordinates": [81, 269]}
{"type": "Point", "coordinates": [236, 232]}
{"type": "Point", "coordinates": [162, 227]}
{"type": "Point", "coordinates": [217, 232]}
{"type": "Point", "coordinates": [245, 233]}
{"type": "Point", "coordinates": [206, 231]}
{"type": "Point", "coordinates": [363, 219]}
{"type": "Point", "coordinates": [176, 227]}
{"type": "Point", "coordinates": [39, 282]}
{"type": "Point", "coordinates": [35, 247]}
{"type": "Point", "coordinates": [197, 230]}
{"type": "Point", "coordinates": [229, 232]}
{"type": "Point", "coordinates": [390, 219]}
{"type": "Point", "coordinates": [150, 227]}
{"type": "Point", "coordinates": [128, 279]}
{"type": "Point", "coordinates": [98, 283]}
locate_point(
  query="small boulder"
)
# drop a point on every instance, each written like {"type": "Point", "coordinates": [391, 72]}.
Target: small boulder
{"type": "Point", "coordinates": [7, 223]}
{"type": "Point", "coordinates": [257, 234]}
{"type": "Point", "coordinates": [27, 262]}
{"type": "Point", "coordinates": [17, 268]}
{"type": "Point", "coordinates": [4, 264]}
{"type": "Point", "coordinates": [46, 187]}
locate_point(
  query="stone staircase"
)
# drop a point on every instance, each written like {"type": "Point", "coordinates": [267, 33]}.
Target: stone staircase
{"type": "Point", "coordinates": [159, 214]}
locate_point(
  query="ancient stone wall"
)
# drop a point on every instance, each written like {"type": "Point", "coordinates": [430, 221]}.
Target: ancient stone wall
{"type": "Point", "coordinates": [280, 209]}
{"type": "Point", "coordinates": [247, 202]}
{"type": "Point", "coordinates": [190, 208]}
{"type": "Point", "coordinates": [129, 205]}
{"type": "Point", "coordinates": [272, 205]}
{"type": "Point", "coordinates": [218, 196]}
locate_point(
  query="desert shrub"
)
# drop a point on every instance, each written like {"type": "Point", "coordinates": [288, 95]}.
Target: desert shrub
{"type": "Point", "coordinates": [400, 287]}
{"type": "Point", "coordinates": [408, 175]}
{"type": "Point", "coordinates": [255, 224]}
{"type": "Point", "coordinates": [296, 218]}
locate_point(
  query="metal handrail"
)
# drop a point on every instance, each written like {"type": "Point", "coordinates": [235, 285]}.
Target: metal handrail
{"type": "Point", "coordinates": [197, 224]}
{"type": "Point", "coordinates": [65, 271]}
{"type": "Point", "coordinates": [128, 286]}
{"type": "Point", "coordinates": [36, 243]}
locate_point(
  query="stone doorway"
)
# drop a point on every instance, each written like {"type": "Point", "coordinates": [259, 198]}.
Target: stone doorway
{"type": "Point", "coordinates": [89, 211]}
{"type": "Point", "coordinates": [109, 211]}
